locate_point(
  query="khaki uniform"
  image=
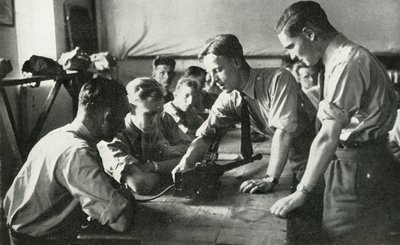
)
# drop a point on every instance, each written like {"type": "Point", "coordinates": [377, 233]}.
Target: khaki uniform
{"type": "Point", "coordinates": [62, 175]}
{"type": "Point", "coordinates": [132, 146]}
{"type": "Point", "coordinates": [359, 94]}
{"type": "Point", "coordinates": [276, 101]}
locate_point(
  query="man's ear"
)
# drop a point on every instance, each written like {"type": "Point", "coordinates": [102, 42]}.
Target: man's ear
{"type": "Point", "coordinates": [238, 61]}
{"type": "Point", "coordinates": [309, 33]}
{"type": "Point", "coordinates": [107, 115]}
{"type": "Point", "coordinates": [153, 73]}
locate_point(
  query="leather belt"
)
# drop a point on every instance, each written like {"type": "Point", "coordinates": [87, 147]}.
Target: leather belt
{"type": "Point", "coordinates": [381, 141]}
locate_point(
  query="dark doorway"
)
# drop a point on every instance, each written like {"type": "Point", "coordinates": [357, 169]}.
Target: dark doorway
{"type": "Point", "coordinates": [81, 28]}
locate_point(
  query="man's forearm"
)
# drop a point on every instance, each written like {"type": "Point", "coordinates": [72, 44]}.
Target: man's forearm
{"type": "Point", "coordinates": [196, 151]}
{"type": "Point", "coordinates": [321, 153]}
{"type": "Point", "coordinates": [279, 152]}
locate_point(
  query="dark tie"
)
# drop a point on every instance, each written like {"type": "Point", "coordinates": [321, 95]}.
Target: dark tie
{"type": "Point", "coordinates": [246, 147]}
{"type": "Point", "coordinates": [321, 82]}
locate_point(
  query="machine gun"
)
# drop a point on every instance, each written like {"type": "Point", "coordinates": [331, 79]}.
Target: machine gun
{"type": "Point", "coordinates": [203, 180]}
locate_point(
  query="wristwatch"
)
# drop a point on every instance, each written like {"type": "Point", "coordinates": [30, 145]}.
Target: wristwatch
{"type": "Point", "coordinates": [302, 188]}
{"type": "Point", "coordinates": [271, 179]}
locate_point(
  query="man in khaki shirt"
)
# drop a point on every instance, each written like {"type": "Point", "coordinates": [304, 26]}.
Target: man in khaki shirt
{"type": "Point", "coordinates": [358, 110]}
{"type": "Point", "coordinates": [144, 153]}
{"type": "Point", "coordinates": [277, 106]}
{"type": "Point", "coordinates": [63, 174]}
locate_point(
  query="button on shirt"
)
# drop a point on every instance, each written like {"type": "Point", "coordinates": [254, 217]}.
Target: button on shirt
{"type": "Point", "coordinates": [63, 173]}
{"type": "Point", "coordinates": [358, 92]}
{"type": "Point", "coordinates": [132, 146]}
{"type": "Point", "coordinates": [275, 101]}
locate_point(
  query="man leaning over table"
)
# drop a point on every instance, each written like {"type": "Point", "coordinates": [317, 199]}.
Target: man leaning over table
{"type": "Point", "coordinates": [277, 106]}
{"type": "Point", "coordinates": [351, 148]}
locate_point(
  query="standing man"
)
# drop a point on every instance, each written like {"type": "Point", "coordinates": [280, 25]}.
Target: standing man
{"type": "Point", "coordinates": [164, 73]}
{"type": "Point", "coordinates": [277, 107]}
{"type": "Point", "coordinates": [358, 110]}
{"type": "Point", "coordinates": [63, 174]}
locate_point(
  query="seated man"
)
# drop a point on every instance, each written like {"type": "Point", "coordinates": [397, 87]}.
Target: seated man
{"type": "Point", "coordinates": [62, 174]}
{"type": "Point", "coordinates": [164, 73]}
{"type": "Point", "coordinates": [140, 153]}
{"type": "Point", "coordinates": [181, 108]}
{"type": "Point", "coordinates": [208, 92]}
{"type": "Point", "coordinates": [307, 76]}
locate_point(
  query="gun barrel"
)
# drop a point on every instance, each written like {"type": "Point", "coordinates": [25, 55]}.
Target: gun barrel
{"type": "Point", "coordinates": [235, 164]}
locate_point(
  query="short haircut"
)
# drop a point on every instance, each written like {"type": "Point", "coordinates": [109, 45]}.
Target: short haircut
{"type": "Point", "coordinates": [194, 71]}
{"type": "Point", "coordinates": [302, 14]}
{"type": "Point", "coordinates": [187, 81]}
{"type": "Point", "coordinates": [142, 88]}
{"type": "Point", "coordinates": [226, 45]}
{"type": "Point", "coordinates": [163, 60]}
{"type": "Point", "coordinates": [101, 93]}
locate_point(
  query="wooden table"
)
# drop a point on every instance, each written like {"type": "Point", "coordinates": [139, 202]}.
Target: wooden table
{"type": "Point", "coordinates": [232, 218]}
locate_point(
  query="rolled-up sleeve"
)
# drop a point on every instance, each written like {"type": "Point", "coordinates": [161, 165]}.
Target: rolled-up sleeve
{"type": "Point", "coordinates": [82, 175]}
{"type": "Point", "coordinates": [344, 87]}
{"type": "Point", "coordinates": [116, 157]}
{"type": "Point", "coordinates": [223, 114]}
{"type": "Point", "coordinates": [283, 110]}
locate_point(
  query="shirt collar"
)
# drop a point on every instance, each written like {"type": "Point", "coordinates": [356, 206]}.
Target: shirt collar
{"type": "Point", "coordinates": [83, 132]}
{"type": "Point", "coordinates": [130, 125]}
{"type": "Point", "coordinates": [330, 53]}
{"type": "Point", "coordinates": [134, 130]}
{"type": "Point", "coordinates": [248, 89]}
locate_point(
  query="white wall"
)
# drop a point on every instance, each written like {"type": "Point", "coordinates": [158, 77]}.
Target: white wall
{"type": "Point", "coordinates": [39, 26]}
{"type": "Point", "coordinates": [8, 50]}
{"type": "Point", "coordinates": [180, 27]}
